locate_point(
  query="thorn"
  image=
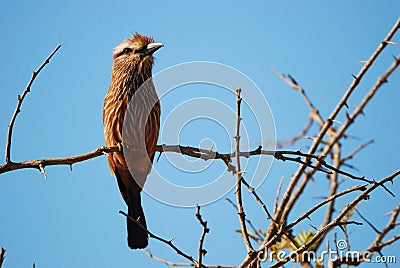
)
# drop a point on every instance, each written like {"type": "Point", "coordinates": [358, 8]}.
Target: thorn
{"type": "Point", "coordinates": [355, 77]}
{"type": "Point", "coordinates": [70, 167]}
{"type": "Point", "coordinates": [293, 80]}
{"type": "Point", "coordinates": [41, 168]}
{"type": "Point", "coordinates": [158, 158]}
{"type": "Point", "coordinates": [383, 80]}
{"type": "Point", "coordinates": [362, 62]}
{"type": "Point", "coordinates": [392, 43]}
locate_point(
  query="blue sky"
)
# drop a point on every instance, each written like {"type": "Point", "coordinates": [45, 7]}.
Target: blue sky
{"type": "Point", "coordinates": [71, 219]}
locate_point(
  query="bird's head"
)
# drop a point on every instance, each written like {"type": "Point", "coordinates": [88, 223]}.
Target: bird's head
{"type": "Point", "coordinates": [138, 48]}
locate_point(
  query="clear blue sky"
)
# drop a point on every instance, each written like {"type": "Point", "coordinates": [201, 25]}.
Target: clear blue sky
{"type": "Point", "coordinates": [71, 219]}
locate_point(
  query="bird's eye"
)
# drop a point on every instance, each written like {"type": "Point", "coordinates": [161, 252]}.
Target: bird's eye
{"type": "Point", "coordinates": [126, 50]}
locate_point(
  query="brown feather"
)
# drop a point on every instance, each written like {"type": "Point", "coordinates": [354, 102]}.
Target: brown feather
{"type": "Point", "coordinates": [131, 117]}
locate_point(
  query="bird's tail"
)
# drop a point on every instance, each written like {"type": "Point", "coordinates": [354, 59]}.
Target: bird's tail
{"type": "Point", "coordinates": [137, 236]}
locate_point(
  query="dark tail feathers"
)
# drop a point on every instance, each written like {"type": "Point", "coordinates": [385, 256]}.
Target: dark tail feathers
{"type": "Point", "coordinates": [137, 237]}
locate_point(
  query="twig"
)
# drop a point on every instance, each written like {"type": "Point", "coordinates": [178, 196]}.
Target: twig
{"type": "Point", "coordinates": [367, 221]}
{"type": "Point", "coordinates": [19, 103]}
{"type": "Point", "coordinates": [167, 242]}
{"type": "Point", "coordinates": [203, 223]}
{"type": "Point", "coordinates": [242, 215]}
{"type": "Point", "coordinates": [256, 233]}
{"type": "Point", "coordinates": [316, 116]}
{"type": "Point", "coordinates": [328, 200]}
{"type": "Point", "coordinates": [167, 262]}
{"type": "Point", "coordinates": [293, 140]}
{"type": "Point", "coordinates": [356, 151]}
{"type": "Point", "coordinates": [278, 193]}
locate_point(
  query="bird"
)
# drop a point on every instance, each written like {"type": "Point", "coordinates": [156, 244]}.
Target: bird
{"type": "Point", "coordinates": [131, 119]}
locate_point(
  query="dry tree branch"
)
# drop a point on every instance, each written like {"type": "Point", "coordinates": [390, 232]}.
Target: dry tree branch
{"type": "Point", "coordinates": [362, 187]}
{"type": "Point", "coordinates": [283, 209]}
{"type": "Point", "coordinates": [339, 134]}
{"type": "Point", "coordinates": [20, 100]}
{"type": "Point", "coordinates": [242, 215]}
{"type": "Point", "coordinates": [356, 151]}
{"type": "Point", "coordinates": [42, 163]}
{"type": "Point", "coordinates": [278, 193]}
{"type": "Point", "coordinates": [203, 223]}
{"type": "Point", "coordinates": [323, 230]}
{"type": "Point", "coordinates": [315, 115]}
{"type": "Point", "coordinates": [338, 220]}
{"type": "Point", "coordinates": [185, 150]}
{"type": "Point", "coordinates": [376, 246]}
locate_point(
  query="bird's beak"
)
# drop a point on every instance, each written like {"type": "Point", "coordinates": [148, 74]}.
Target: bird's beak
{"type": "Point", "coordinates": [152, 47]}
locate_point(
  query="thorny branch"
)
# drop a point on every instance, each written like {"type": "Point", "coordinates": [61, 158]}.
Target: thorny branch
{"type": "Point", "coordinates": [238, 172]}
{"type": "Point", "coordinates": [20, 100]}
{"type": "Point", "coordinates": [291, 195]}
{"type": "Point", "coordinates": [203, 223]}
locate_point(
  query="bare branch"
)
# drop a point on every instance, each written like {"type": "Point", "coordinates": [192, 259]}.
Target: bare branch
{"type": "Point", "coordinates": [283, 209]}
{"type": "Point", "coordinates": [242, 215]}
{"type": "Point", "coordinates": [321, 231]}
{"type": "Point", "coordinates": [338, 220]}
{"type": "Point", "coordinates": [203, 223]}
{"type": "Point", "coordinates": [328, 200]}
{"type": "Point", "coordinates": [19, 103]}
{"type": "Point", "coordinates": [356, 151]}
{"type": "Point", "coordinates": [293, 140]}
{"type": "Point", "coordinates": [40, 164]}
{"type": "Point", "coordinates": [367, 221]}
{"type": "Point", "coordinates": [278, 193]}
{"type": "Point", "coordinates": [167, 262]}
